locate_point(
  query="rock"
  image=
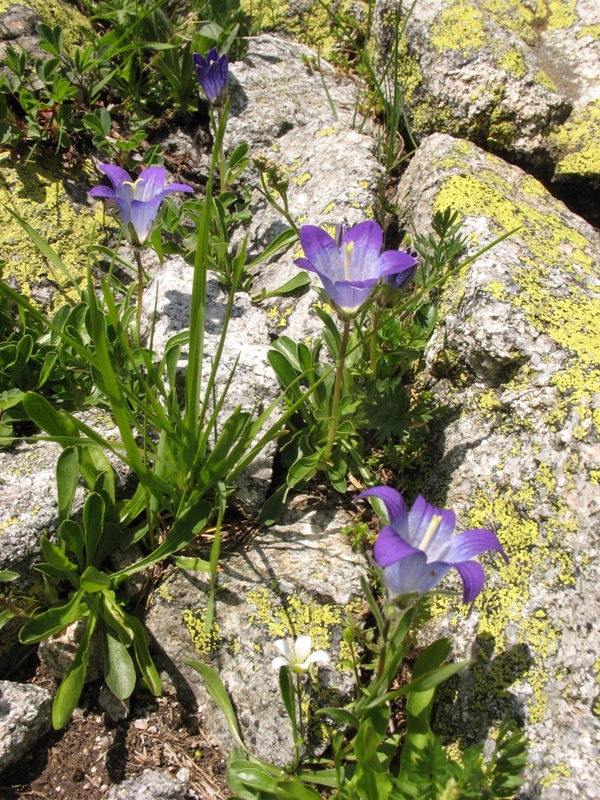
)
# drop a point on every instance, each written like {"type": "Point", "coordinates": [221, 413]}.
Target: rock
{"type": "Point", "coordinates": [516, 360]}
{"type": "Point", "coordinates": [298, 578]}
{"type": "Point", "coordinates": [167, 302]}
{"type": "Point", "coordinates": [25, 713]}
{"type": "Point", "coordinates": [116, 708]}
{"type": "Point", "coordinates": [57, 652]}
{"type": "Point", "coordinates": [518, 79]}
{"type": "Point", "coordinates": [279, 106]}
{"type": "Point", "coordinates": [150, 785]}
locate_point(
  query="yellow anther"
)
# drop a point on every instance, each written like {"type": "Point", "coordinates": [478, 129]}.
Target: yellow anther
{"type": "Point", "coordinates": [430, 532]}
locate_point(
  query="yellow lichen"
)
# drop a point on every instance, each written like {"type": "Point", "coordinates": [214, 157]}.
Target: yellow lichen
{"type": "Point", "coordinates": [513, 62]}
{"type": "Point", "coordinates": [548, 244]}
{"type": "Point", "coordinates": [577, 141]}
{"type": "Point", "coordinates": [204, 641]}
{"type": "Point", "coordinates": [36, 192]}
{"type": "Point", "coordinates": [460, 26]}
{"type": "Point", "coordinates": [556, 773]}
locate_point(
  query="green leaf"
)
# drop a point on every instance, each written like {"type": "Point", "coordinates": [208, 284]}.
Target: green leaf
{"type": "Point", "coordinates": [119, 670]}
{"type": "Point", "coordinates": [292, 788]}
{"type": "Point", "coordinates": [93, 523]}
{"type": "Point", "coordinates": [142, 654]}
{"type": "Point", "coordinates": [94, 581]}
{"type": "Point", "coordinates": [273, 506]}
{"type": "Point", "coordinates": [299, 281]}
{"type": "Point", "coordinates": [193, 564]}
{"type": "Point", "coordinates": [256, 777]}
{"type": "Point", "coordinates": [183, 531]}
{"type": "Point", "coordinates": [304, 468]}
{"type": "Point", "coordinates": [53, 620]}
{"type": "Point", "coordinates": [72, 535]}
{"type": "Point", "coordinates": [55, 556]}
{"type": "Point", "coordinates": [219, 694]}
{"type": "Point", "coordinates": [69, 691]}
{"type": "Point", "coordinates": [67, 474]}
{"type": "Point", "coordinates": [7, 575]}
{"type": "Point", "coordinates": [341, 716]}
{"type": "Point", "coordinates": [288, 695]}
{"type": "Point", "coordinates": [284, 239]}
{"type": "Point", "coordinates": [46, 417]}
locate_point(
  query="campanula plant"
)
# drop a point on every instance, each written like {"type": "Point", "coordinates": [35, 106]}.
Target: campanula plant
{"type": "Point", "coordinates": [350, 267]}
{"type": "Point", "coordinates": [139, 202]}
{"type": "Point", "coordinates": [369, 757]}
{"type": "Point", "coordinates": [417, 549]}
{"type": "Point", "coordinates": [212, 71]}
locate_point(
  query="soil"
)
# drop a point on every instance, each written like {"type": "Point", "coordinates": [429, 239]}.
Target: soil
{"type": "Point", "coordinates": [93, 752]}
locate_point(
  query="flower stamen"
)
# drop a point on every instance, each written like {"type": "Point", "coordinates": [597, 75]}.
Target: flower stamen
{"type": "Point", "coordinates": [430, 532]}
{"type": "Point", "coordinates": [348, 248]}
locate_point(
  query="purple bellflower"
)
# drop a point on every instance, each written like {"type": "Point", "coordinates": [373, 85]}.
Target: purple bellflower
{"type": "Point", "coordinates": [138, 200]}
{"type": "Point", "coordinates": [211, 72]}
{"type": "Point", "coordinates": [401, 281]}
{"type": "Point", "coordinates": [417, 549]}
{"type": "Point", "coordinates": [351, 265]}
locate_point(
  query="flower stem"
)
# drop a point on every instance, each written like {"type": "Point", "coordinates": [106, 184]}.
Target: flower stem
{"type": "Point", "coordinates": [337, 389]}
{"type": "Point", "coordinates": [222, 166]}
{"type": "Point", "coordinates": [299, 693]}
{"type": "Point", "coordinates": [383, 650]}
{"type": "Point", "coordinates": [138, 260]}
{"type": "Point", "coordinates": [374, 325]}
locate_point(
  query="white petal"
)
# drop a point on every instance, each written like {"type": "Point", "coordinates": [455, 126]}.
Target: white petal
{"type": "Point", "coordinates": [301, 648]}
{"type": "Point", "coordinates": [279, 662]}
{"type": "Point", "coordinates": [286, 648]}
{"type": "Point", "coordinates": [319, 655]}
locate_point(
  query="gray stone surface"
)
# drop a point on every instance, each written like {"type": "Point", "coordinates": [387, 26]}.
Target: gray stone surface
{"type": "Point", "coordinates": [296, 578]}
{"type": "Point", "coordinates": [167, 302]}
{"type": "Point", "coordinates": [25, 713]}
{"type": "Point", "coordinates": [279, 106]}
{"type": "Point", "coordinates": [150, 785]}
{"type": "Point", "coordinates": [57, 652]}
{"type": "Point", "coordinates": [515, 359]}
{"type": "Point", "coordinates": [517, 78]}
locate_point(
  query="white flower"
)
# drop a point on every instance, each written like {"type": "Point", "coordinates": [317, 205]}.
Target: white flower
{"type": "Point", "coordinates": [296, 655]}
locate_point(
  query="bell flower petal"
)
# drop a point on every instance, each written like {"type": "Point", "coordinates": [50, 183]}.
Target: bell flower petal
{"type": "Point", "coordinates": [390, 547]}
{"type": "Point", "coordinates": [473, 543]}
{"type": "Point", "coordinates": [212, 73]}
{"type": "Point", "coordinates": [417, 549]}
{"type": "Point", "coordinates": [472, 577]}
{"type": "Point", "coordinates": [350, 266]}
{"type": "Point", "coordinates": [138, 200]}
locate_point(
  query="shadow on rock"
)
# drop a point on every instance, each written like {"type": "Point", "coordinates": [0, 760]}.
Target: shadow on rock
{"type": "Point", "coordinates": [473, 703]}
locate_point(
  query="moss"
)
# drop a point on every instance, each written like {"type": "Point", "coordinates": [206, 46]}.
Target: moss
{"type": "Point", "coordinates": [37, 192]}
{"type": "Point", "coordinates": [577, 142]}
{"type": "Point", "coordinates": [53, 12]}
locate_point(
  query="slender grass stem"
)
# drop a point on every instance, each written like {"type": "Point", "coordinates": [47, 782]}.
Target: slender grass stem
{"type": "Point", "coordinates": [337, 390]}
